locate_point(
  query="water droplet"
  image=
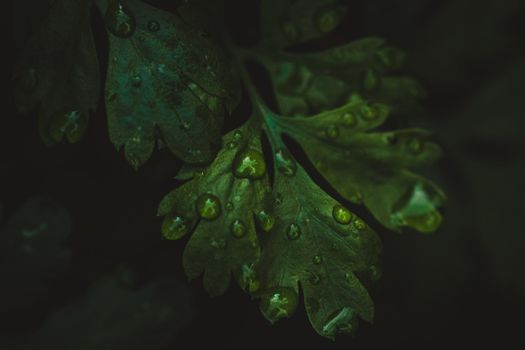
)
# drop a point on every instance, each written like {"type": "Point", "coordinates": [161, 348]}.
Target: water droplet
{"type": "Point", "coordinates": [219, 243]}
{"type": "Point", "coordinates": [327, 19]}
{"type": "Point", "coordinates": [229, 206]}
{"type": "Point", "coordinates": [285, 163]}
{"type": "Point", "coordinates": [341, 214]}
{"type": "Point", "coordinates": [119, 20]}
{"type": "Point", "coordinates": [174, 227]}
{"type": "Point", "coordinates": [369, 113]}
{"type": "Point", "coordinates": [249, 164]}
{"type": "Point", "coordinates": [237, 135]}
{"type": "Point", "coordinates": [238, 229]}
{"type": "Point", "coordinates": [279, 304]}
{"type": "Point", "coordinates": [314, 278]}
{"type": "Point", "coordinates": [153, 26]}
{"type": "Point", "coordinates": [349, 119]}
{"type": "Point", "coordinates": [208, 206]}
{"type": "Point", "coordinates": [415, 146]}
{"type": "Point", "coordinates": [293, 232]}
{"type": "Point", "coordinates": [266, 220]}
{"type": "Point", "coordinates": [290, 31]}
{"type": "Point", "coordinates": [317, 259]}
{"type": "Point", "coordinates": [331, 132]}
{"type": "Point", "coordinates": [343, 321]}
{"type": "Point", "coordinates": [359, 224]}
{"type": "Point", "coordinates": [231, 145]}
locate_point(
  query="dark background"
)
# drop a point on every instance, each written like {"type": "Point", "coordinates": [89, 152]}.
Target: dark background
{"type": "Point", "coordinates": [462, 286]}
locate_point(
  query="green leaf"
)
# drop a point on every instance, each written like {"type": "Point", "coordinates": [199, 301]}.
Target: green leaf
{"type": "Point", "coordinates": [219, 205]}
{"type": "Point", "coordinates": [166, 81]}
{"type": "Point", "coordinates": [57, 70]}
{"type": "Point", "coordinates": [310, 83]}
{"type": "Point", "coordinates": [373, 168]}
{"type": "Point", "coordinates": [320, 245]}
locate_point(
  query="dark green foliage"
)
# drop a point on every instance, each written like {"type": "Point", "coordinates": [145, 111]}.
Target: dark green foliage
{"type": "Point", "coordinates": [172, 84]}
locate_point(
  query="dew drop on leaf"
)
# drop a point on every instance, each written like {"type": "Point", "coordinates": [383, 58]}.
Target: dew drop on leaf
{"type": "Point", "coordinates": [208, 206]}
{"type": "Point", "coordinates": [317, 259]}
{"type": "Point", "coordinates": [237, 135]}
{"type": "Point", "coordinates": [369, 113]}
{"type": "Point", "coordinates": [332, 132]}
{"type": "Point", "coordinates": [174, 227]}
{"type": "Point", "coordinates": [348, 119]}
{"type": "Point", "coordinates": [266, 220]}
{"type": "Point", "coordinates": [285, 163]}
{"type": "Point", "coordinates": [293, 232]}
{"type": "Point", "coordinates": [341, 214]}
{"type": "Point", "coordinates": [231, 145]}
{"type": "Point", "coordinates": [119, 20]}
{"type": "Point", "coordinates": [280, 304]}
{"type": "Point", "coordinates": [238, 229]}
{"type": "Point", "coordinates": [153, 26]}
{"type": "Point", "coordinates": [327, 20]}
{"type": "Point", "coordinates": [229, 206]}
{"type": "Point", "coordinates": [359, 224]}
{"type": "Point", "coordinates": [415, 146]}
{"type": "Point", "coordinates": [249, 164]}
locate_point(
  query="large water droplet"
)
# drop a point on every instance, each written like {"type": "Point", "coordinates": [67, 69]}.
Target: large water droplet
{"type": "Point", "coordinates": [266, 220]}
{"type": "Point", "coordinates": [174, 227]}
{"type": "Point", "coordinates": [279, 304]}
{"type": "Point", "coordinates": [285, 163]}
{"type": "Point", "coordinates": [317, 259]}
{"type": "Point", "coordinates": [341, 214]}
{"type": "Point", "coordinates": [208, 206]}
{"type": "Point", "coordinates": [249, 164]}
{"type": "Point", "coordinates": [293, 232]}
{"type": "Point", "coordinates": [343, 321]}
{"type": "Point", "coordinates": [119, 20]}
{"type": "Point", "coordinates": [238, 229]}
